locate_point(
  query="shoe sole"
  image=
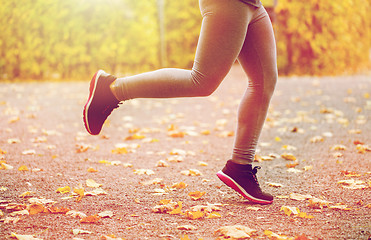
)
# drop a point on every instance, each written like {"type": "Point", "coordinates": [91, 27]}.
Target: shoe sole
{"type": "Point", "coordinates": [93, 86]}
{"type": "Point", "coordinates": [235, 186]}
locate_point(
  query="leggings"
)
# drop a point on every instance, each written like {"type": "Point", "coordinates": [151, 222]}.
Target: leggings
{"type": "Point", "coordinates": [231, 30]}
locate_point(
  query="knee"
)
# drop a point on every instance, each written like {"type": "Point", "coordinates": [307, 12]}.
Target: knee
{"type": "Point", "coordinates": [269, 85]}
{"type": "Point", "coordinates": [204, 86]}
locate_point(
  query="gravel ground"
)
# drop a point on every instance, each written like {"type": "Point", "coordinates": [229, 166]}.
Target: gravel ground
{"type": "Point", "coordinates": [323, 122]}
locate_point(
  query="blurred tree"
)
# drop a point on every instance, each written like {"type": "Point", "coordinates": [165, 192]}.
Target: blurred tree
{"type": "Point", "coordinates": [66, 39]}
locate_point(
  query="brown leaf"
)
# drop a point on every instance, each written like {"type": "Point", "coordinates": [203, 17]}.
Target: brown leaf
{"type": "Point", "coordinates": [90, 219]}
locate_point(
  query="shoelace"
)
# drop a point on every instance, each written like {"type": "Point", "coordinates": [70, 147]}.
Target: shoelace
{"type": "Point", "coordinates": [254, 171]}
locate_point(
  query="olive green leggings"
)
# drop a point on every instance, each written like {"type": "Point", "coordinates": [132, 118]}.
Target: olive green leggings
{"type": "Point", "coordinates": [230, 31]}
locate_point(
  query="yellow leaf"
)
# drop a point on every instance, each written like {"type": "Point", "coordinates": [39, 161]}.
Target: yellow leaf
{"type": "Point", "coordinates": [290, 210]}
{"type": "Point", "coordinates": [202, 164]}
{"type": "Point", "coordinates": [177, 210]}
{"type": "Point", "coordinates": [120, 150]}
{"type": "Point", "coordinates": [304, 215]}
{"type": "Point", "coordinates": [79, 192]}
{"type": "Point", "coordinates": [104, 162]}
{"type": "Point", "coordinates": [191, 172]}
{"type": "Point", "coordinates": [205, 132]}
{"type": "Point", "coordinates": [65, 189]}
{"type": "Point", "coordinates": [185, 237]}
{"type": "Point", "coordinates": [36, 208]}
{"type": "Point", "coordinates": [277, 139]}
{"type": "Point", "coordinates": [90, 169]}
{"type": "Point", "coordinates": [25, 194]}
{"type": "Point", "coordinates": [91, 183]}
{"type": "Point", "coordinates": [23, 168]}
{"type": "Point", "coordinates": [134, 137]}
{"type": "Point", "coordinates": [180, 185]}
{"type": "Point", "coordinates": [288, 156]}
{"type": "Point", "coordinates": [56, 210]}
{"type": "Point", "coordinates": [194, 215]}
{"type": "Point", "coordinates": [196, 195]}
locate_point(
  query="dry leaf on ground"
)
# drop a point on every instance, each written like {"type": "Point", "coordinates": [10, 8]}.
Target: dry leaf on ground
{"type": "Point", "coordinates": [234, 232]}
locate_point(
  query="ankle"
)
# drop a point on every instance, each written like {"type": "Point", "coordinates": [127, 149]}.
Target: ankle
{"type": "Point", "coordinates": [113, 88]}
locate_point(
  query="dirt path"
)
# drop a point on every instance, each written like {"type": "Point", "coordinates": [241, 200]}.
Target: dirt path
{"type": "Point", "coordinates": [319, 121]}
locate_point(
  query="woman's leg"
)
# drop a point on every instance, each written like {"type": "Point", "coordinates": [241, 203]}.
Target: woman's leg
{"type": "Point", "coordinates": [221, 39]}
{"type": "Point", "coordinates": [258, 59]}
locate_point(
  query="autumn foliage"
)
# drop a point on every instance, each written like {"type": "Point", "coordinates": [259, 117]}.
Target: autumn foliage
{"type": "Point", "coordinates": [323, 37]}
{"type": "Point", "coordinates": [65, 39]}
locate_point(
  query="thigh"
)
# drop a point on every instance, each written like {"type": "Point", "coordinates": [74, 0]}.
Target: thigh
{"type": "Point", "coordinates": [222, 35]}
{"type": "Point", "coordinates": [258, 55]}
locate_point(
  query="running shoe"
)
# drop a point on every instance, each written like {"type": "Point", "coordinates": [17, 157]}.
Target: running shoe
{"type": "Point", "coordinates": [242, 178]}
{"type": "Point", "coordinates": [101, 102]}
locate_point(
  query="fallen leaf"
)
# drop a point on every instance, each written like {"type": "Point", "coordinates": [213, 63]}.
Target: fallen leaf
{"type": "Point", "coordinates": [353, 184]}
{"type": "Point", "coordinates": [288, 156]}
{"type": "Point", "coordinates": [120, 150]}
{"type": "Point", "coordinates": [179, 185]}
{"type": "Point", "coordinates": [80, 193]}
{"type": "Point", "coordinates": [214, 215]}
{"type": "Point", "coordinates": [196, 195]}
{"type": "Point", "coordinates": [317, 203]}
{"type": "Point", "coordinates": [186, 227]}
{"type": "Point", "coordinates": [91, 183]}
{"type": "Point", "coordinates": [74, 213]}
{"type": "Point", "coordinates": [275, 236]}
{"type": "Point", "coordinates": [144, 171]}
{"type": "Point", "coordinates": [295, 211]}
{"type": "Point", "coordinates": [317, 139]}
{"type": "Point", "coordinates": [90, 169]}
{"type": "Point", "coordinates": [152, 182]}
{"type": "Point", "coordinates": [338, 147]}
{"type": "Point", "coordinates": [194, 215]}
{"type": "Point", "coordinates": [162, 163]}
{"type": "Point", "coordinates": [19, 213]}
{"type": "Point", "coordinates": [23, 168]}
{"type": "Point", "coordinates": [5, 166]}
{"type": "Point", "coordinates": [90, 219]}
{"type": "Point", "coordinates": [177, 210]}
{"type": "Point", "coordinates": [235, 232]}
{"type": "Point", "coordinates": [340, 206]}
{"type": "Point", "coordinates": [56, 210]}
{"type": "Point", "coordinates": [276, 185]}
{"type": "Point", "coordinates": [166, 205]}
{"type": "Point", "coordinates": [95, 192]}
{"type": "Point", "coordinates": [292, 165]}
{"type": "Point", "coordinates": [80, 231]}
{"type": "Point", "coordinates": [105, 214]}
{"type": "Point", "coordinates": [191, 172]}
{"type": "Point", "coordinates": [290, 210]}
{"type": "Point", "coordinates": [36, 208]}
{"type": "Point", "coordinates": [299, 197]}
{"type": "Point", "coordinates": [24, 237]}
{"type": "Point", "coordinates": [65, 189]}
